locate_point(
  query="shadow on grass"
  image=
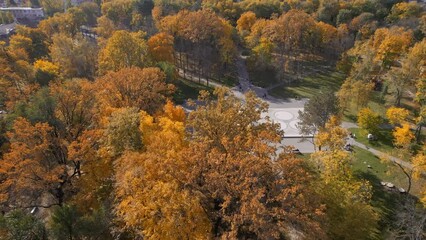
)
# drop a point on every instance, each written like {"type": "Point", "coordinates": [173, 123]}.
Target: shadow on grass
{"type": "Point", "coordinates": [385, 202]}
{"type": "Point", "coordinates": [187, 89]}
{"type": "Point", "coordinates": [263, 78]}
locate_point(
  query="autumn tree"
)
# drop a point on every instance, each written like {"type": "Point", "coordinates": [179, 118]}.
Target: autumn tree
{"type": "Point", "coordinates": [390, 44]}
{"type": "Point", "coordinates": [191, 192]}
{"type": "Point", "coordinates": [397, 115]}
{"type": "Point", "coordinates": [160, 47]}
{"type": "Point", "coordinates": [353, 92]}
{"type": "Point", "coordinates": [67, 23]}
{"type": "Point", "coordinates": [39, 41]}
{"type": "Point", "coordinates": [332, 135]}
{"type": "Point", "coordinates": [292, 33]}
{"type": "Point", "coordinates": [35, 171]}
{"type": "Point", "coordinates": [122, 131]}
{"type": "Point", "coordinates": [75, 57]}
{"type": "Point", "coordinates": [403, 136]}
{"type": "Point", "coordinates": [245, 22]}
{"type": "Point", "coordinates": [229, 141]}
{"type": "Point", "coordinates": [45, 71]}
{"type": "Point", "coordinates": [123, 50]}
{"type": "Point", "coordinates": [75, 100]}
{"type": "Point", "coordinates": [16, 77]}
{"type": "Point", "coordinates": [419, 165]}
{"type": "Point", "coordinates": [347, 199]}
{"type": "Point", "coordinates": [369, 120]}
{"type": "Point", "coordinates": [202, 37]}
{"type": "Point", "coordinates": [144, 89]}
{"type": "Point", "coordinates": [158, 192]}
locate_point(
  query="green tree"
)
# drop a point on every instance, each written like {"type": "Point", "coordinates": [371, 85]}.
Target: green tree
{"type": "Point", "coordinates": [317, 111]}
{"type": "Point", "coordinates": [18, 225]}
{"type": "Point", "coordinates": [75, 57]}
{"type": "Point", "coordinates": [369, 120]}
{"type": "Point", "coordinates": [122, 132]}
{"type": "Point", "coordinates": [123, 50]}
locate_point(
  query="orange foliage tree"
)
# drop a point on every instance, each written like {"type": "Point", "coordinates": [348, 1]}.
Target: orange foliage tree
{"type": "Point", "coordinates": [144, 89]}
{"type": "Point", "coordinates": [35, 171]}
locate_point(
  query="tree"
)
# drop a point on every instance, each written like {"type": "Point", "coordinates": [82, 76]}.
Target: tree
{"type": "Point", "coordinates": [404, 10]}
{"type": "Point", "coordinates": [18, 225]}
{"type": "Point", "coordinates": [45, 71]}
{"type": "Point", "coordinates": [35, 172]}
{"type": "Point", "coordinates": [158, 207]}
{"type": "Point", "coordinates": [419, 166]}
{"type": "Point", "coordinates": [122, 131]}
{"type": "Point", "coordinates": [52, 6]}
{"type": "Point", "coordinates": [123, 50]}
{"type": "Point", "coordinates": [75, 57]}
{"type": "Point", "coordinates": [144, 89]}
{"type": "Point", "coordinates": [403, 136]}
{"type": "Point", "coordinates": [369, 120]}
{"type": "Point", "coordinates": [181, 189]}
{"type": "Point", "coordinates": [67, 23]}
{"type": "Point", "coordinates": [245, 22]}
{"type": "Point", "coordinates": [332, 136]}
{"type": "Point", "coordinates": [64, 222]}
{"type": "Point", "coordinates": [39, 47]}
{"type": "Point", "coordinates": [410, 220]}
{"type": "Point", "coordinates": [397, 115]}
{"type": "Point", "coordinates": [91, 11]}
{"type": "Point", "coordinates": [229, 141]}
{"type": "Point", "coordinates": [347, 199]}
{"type": "Point", "coordinates": [390, 44]}
{"type": "Point", "coordinates": [317, 111]}
{"type": "Point", "coordinates": [20, 42]}
{"type": "Point", "coordinates": [160, 47]}
{"type": "Point", "coordinates": [75, 101]}
{"type": "Point", "coordinates": [119, 12]}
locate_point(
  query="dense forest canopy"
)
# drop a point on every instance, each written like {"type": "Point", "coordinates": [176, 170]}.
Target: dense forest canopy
{"type": "Point", "coordinates": [98, 139]}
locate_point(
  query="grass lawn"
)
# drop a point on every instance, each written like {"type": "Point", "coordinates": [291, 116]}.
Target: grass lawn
{"type": "Point", "coordinates": [320, 76]}
{"type": "Point", "coordinates": [376, 103]}
{"type": "Point", "coordinates": [385, 202]}
{"type": "Point", "coordinates": [382, 171]}
{"type": "Point", "coordinates": [187, 89]}
{"type": "Point", "coordinates": [383, 144]}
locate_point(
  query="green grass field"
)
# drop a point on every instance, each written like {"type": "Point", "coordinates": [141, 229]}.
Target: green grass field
{"type": "Point", "coordinates": [384, 142]}
{"type": "Point", "coordinates": [315, 75]}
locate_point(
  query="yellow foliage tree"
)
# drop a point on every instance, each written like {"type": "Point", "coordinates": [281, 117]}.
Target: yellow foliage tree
{"type": "Point", "coordinates": [369, 120]}
{"type": "Point", "coordinates": [45, 71]}
{"type": "Point", "coordinates": [390, 44]}
{"type": "Point", "coordinates": [397, 115]}
{"type": "Point", "coordinates": [332, 136]}
{"type": "Point", "coordinates": [245, 22]}
{"type": "Point", "coordinates": [403, 136]}
{"type": "Point", "coordinates": [347, 200]}
{"type": "Point", "coordinates": [150, 195]}
{"type": "Point", "coordinates": [123, 50]}
{"type": "Point", "coordinates": [419, 167]}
